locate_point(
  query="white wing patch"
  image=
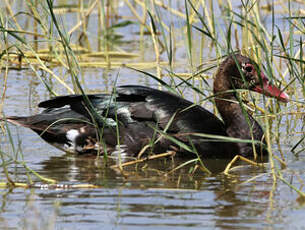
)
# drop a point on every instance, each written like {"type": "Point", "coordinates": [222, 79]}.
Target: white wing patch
{"type": "Point", "coordinates": [72, 135]}
{"type": "Point", "coordinates": [125, 112]}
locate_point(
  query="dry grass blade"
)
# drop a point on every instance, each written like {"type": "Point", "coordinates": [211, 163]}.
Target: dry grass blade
{"type": "Point", "coordinates": [202, 168]}
{"type": "Point", "coordinates": [153, 157]}
{"type": "Point", "coordinates": [238, 157]}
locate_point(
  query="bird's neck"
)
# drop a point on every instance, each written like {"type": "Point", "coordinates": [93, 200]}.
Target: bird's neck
{"type": "Point", "coordinates": [226, 101]}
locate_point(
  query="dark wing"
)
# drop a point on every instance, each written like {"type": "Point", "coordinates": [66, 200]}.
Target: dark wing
{"type": "Point", "coordinates": [161, 106]}
{"type": "Point", "coordinates": [137, 111]}
{"type": "Point", "coordinates": [138, 103]}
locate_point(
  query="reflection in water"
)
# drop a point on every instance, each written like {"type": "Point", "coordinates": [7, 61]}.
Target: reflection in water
{"type": "Point", "coordinates": [90, 169]}
{"type": "Point", "coordinates": [147, 198]}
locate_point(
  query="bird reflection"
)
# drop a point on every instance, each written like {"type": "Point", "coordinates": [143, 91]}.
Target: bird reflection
{"type": "Point", "coordinates": [149, 189]}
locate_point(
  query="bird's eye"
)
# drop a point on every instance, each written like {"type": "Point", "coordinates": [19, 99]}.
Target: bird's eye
{"type": "Point", "coordinates": [249, 68]}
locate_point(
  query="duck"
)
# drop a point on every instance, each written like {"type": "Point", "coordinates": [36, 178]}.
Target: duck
{"type": "Point", "coordinates": [134, 119]}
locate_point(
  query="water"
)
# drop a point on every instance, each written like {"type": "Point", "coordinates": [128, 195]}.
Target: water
{"type": "Point", "coordinates": [147, 196]}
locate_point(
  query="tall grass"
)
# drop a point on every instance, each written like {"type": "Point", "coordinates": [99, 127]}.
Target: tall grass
{"type": "Point", "coordinates": [205, 31]}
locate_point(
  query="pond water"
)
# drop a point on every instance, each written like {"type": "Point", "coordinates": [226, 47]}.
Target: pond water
{"type": "Point", "coordinates": [147, 195]}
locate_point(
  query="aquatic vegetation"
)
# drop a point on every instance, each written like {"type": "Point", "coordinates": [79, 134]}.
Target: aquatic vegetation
{"type": "Point", "coordinates": [171, 45]}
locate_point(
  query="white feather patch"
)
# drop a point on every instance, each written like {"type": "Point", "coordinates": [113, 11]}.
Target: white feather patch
{"type": "Point", "coordinates": [72, 135]}
{"type": "Point", "coordinates": [125, 112]}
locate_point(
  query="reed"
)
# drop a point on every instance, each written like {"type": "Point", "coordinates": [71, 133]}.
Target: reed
{"type": "Point", "coordinates": [52, 43]}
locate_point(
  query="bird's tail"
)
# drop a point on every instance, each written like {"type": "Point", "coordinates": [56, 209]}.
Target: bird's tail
{"type": "Point", "coordinates": [23, 121]}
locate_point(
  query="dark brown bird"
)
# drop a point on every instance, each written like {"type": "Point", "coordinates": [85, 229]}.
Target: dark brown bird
{"type": "Point", "coordinates": [133, 117]}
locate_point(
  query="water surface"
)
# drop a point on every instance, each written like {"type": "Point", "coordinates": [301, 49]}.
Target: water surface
{"type": "Point", "coordinates": [147, 195]}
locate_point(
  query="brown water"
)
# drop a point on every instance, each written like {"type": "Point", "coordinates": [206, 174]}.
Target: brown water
{"type": "Point", "coordinates": [147, 196]}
